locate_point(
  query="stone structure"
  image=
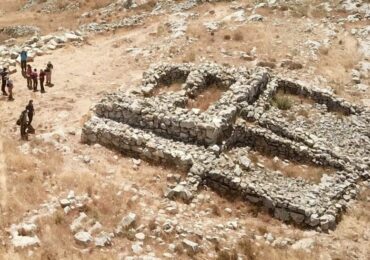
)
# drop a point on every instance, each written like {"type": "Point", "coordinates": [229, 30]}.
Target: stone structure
{"type": "Point", "coordinates": [213, 145]}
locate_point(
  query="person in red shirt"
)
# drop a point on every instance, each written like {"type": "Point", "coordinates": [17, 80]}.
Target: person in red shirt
{"type": "Point", "coordinates": [29, 76]}
{"type": "Point", "coordinates": [35, 80]}
{"type": "Point", "coordinates": [42, 79]}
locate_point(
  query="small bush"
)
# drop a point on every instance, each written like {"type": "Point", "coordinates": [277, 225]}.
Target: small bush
{"type": "Point", "coordinates": [238, 36]}
{"type": "Point", "coordinates": [282, 102]}
{"type": "Point", "coordinates": [152, 224]}
{"type": "Point", "coordinates": [216, 210]}
{"type": "Point", "coordinates": [262, 230]}
{"type": "Point", "coordinates": [227, 37]}
{"type": "Point", "coordinates": [179, 249]}
{"type": "Point", "coordinates": [247, 248]}
{"type": "Point", "coordinates": [303, 112]}
{"type": "Point", "coordinates": [58, 218]}
{"type": "Point", "coordinates": [253, 157]}
{"type": "Point", "coordinates": [227, 255]}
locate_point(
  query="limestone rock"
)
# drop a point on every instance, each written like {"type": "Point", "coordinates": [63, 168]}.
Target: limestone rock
{"type": "Point", "coordinates": [83, 238]}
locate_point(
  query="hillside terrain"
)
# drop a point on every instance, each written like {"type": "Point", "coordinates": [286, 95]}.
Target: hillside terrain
{"type": "Point", "coordinates": [62, 197]}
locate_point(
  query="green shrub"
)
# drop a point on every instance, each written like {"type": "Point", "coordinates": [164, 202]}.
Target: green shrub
{"type": "Point", "coordinates": [282, 102]}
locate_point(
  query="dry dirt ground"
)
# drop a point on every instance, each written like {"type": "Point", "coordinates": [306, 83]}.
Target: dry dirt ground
{"type": "Point", "coordinates": [54, 162]}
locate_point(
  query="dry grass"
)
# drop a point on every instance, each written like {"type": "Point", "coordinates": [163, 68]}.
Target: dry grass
{"type": "Point", "coordinates": [304, 113]}
{"type": "Point", "coordinates": [26, 176]}
{"type": "Point", "coordinates": [148, 5]}
{"type": "Point", "coordinates": [204, 100]}
{"type": "Point", "coordinates": [308, 8]}
{"type": "Point", "coordinates": [196, 31]}
{"type": "Point", "coordinates": [308, 172]}
{"type": "Point", "coordinates": [15, 160]}
{"type": "Point", "coordinates": [337, 62]}
{"type": "Point", "coordinates": [254, 251]}
{"type": "Point", "coordinates": [282, 102]}
{"type": "Point", "coordinates": [227, 255]}
{"type": "Point", "coordinates": [238, 36]}
{"type": "Point", "coordinates": [174, 87]}
{"type": "Point", "coordinates": [253, 157]}
{"type": "Point", "coordinates": [189, 57]}
{"type": "Point", "coordinates": [11, 5]}
{"type": "Point", "coordinates": [48, 23]}
{"type": "Point", "coordinates": [4, 37]}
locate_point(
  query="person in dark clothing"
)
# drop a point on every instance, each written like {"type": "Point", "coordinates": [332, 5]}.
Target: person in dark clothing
{"type": "Point", "coordinates": [35, 80]}
{"type": "Point", "coordinates": [29, 76]}
{"type": "Point", "coordinates": [24, 125]}
{"type": "Point", "coordinates": [4, 75]}
{"type": "Point", "coordinates": [42, 79]}
{"type": "Point", "coordinates": [31, 111]}
{"type": "Point", "coordinates": [24, 60]}
{"type": "Point", "coordinates": [48, 71]}
{"type": "Point", "coordinates": [10, 86]}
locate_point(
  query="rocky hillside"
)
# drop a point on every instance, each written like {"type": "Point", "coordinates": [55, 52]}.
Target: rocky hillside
{"type": "Point", "coordinates": [207, 102]}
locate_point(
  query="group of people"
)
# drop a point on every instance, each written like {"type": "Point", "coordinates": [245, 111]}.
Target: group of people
{"type": "Point", "coordinates": [33, 77]}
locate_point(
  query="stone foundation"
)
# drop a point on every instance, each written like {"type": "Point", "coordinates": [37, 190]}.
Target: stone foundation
{"type": "Point", "coordinates": [213, 145]}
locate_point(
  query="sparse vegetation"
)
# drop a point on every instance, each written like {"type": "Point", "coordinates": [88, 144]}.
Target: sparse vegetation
{"type": "Point", "coordinates": [238, 36]}
{"type": "Point", "coordinates": [205, 99]}
{"type": "Point", "coordinates": [58, 218]}
{"type": "Point", "coordinates": [189, 57]}
{"type": "Point", "coordinates": [215, 210]}
{"type": "Point", "coordinates": [38, 172]}
{"type": "Point", "coordinates": [227, 255]}
{"type": "Point", "coordinates": [253, 157]}
{"type": "Point", "coordinates": [304, 113]}
{"type": "Point", "coordinates": [282, 102]}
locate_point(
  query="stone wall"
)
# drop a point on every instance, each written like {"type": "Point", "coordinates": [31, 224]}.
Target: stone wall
{"type": "Point", "coordinates": [213, 145]}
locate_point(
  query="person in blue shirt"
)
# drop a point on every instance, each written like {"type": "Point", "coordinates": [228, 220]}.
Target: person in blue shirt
{"type": "Point", "coordinates": [24, 60]}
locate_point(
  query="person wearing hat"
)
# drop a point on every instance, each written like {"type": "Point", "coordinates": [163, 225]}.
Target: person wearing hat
{"type": "Point", "coordinates": [48, 71]}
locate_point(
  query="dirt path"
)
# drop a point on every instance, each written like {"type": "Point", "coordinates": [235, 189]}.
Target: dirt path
{"type": "Point", "coordinates": [3, 179]}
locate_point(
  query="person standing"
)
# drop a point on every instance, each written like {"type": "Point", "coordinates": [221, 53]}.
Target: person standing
{"type": "Point", "coordinates": [35, 80]}
{"type": "Point", "coordinates": [31, 112]}
{"type": "Point", "coordinates": [22, 121]}
{"type": "Point", "coordinates": [10, 86]}
{"type": "Point", "coordinates": [4, 75]}
{"type": "Point", "coordinates": [48, 71]}
{"type": "Point", "coordinates": [29, 76]}
{"type": "Point", "coordinates": [24, 57]}
{"type": "Point", "coordinates": [42, 79]}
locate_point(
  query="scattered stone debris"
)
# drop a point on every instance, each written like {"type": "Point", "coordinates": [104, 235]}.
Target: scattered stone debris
{"type": "Point", "coordinates": [191, 247]}
{"type": "Point", "coordinates": [20, 30]}
{"type": "Point", "coordinates": [126, 223]}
